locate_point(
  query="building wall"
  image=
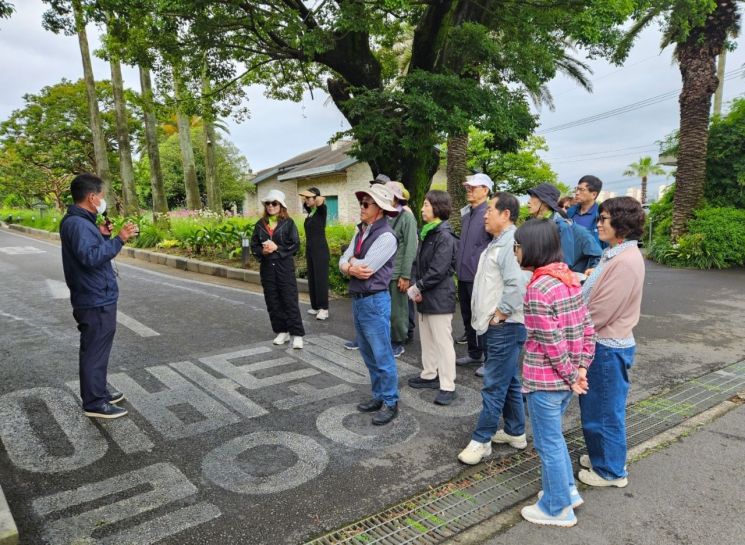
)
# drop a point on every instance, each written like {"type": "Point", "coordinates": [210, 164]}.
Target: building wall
{"type": "Point", "coordinates": [289, 188]}
{"type": "Point", "coordinates": [331, 185]}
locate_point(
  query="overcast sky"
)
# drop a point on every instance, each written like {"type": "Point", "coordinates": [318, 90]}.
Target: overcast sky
{"type": "Point", "coordinates": [32, 58]}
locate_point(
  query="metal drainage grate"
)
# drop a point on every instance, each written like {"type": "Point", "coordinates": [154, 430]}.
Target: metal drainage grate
{"type": "Point", "coordinates": [444, 511]}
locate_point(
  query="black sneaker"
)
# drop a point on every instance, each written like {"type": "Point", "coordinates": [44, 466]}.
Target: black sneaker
{"type": "Point", "coordinates": [115, 396]}
{"type": "Point", "coordinates": [419, 382]}
{"type": "Point", "coordinates": [444, 398]}
{"type": "Point", "coordinates": [463, 339]}
{"type": "Point", "coordinates": [107, 410]}
{"type": "Point", "coordinates": [370, 406]}
{"type": "Point", "coordinates": [385, 415]}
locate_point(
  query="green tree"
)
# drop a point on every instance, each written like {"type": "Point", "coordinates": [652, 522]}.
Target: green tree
{"type": "Point", "coordinates": [644, 169]}
{"type": "Point", "coordinates": [698, 29]}
{"type": "Point", "coordinates": [725, 161]}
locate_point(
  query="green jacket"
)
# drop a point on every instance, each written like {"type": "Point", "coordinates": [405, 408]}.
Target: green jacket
{"type": "Point", "coordinates": [405, 228]}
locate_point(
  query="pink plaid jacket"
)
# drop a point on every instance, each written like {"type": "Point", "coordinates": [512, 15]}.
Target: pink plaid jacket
{"type": "Point", "coordinates": [561, 337]}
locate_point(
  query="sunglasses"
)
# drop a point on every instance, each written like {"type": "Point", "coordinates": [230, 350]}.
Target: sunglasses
{"type": "Point", "coordinates": [365, 204]}
{"type": "Point", "coordinates": [273, 203]}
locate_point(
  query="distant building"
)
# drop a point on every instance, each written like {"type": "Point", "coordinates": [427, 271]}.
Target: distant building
{"type": "Point", "coordinates": [635, 192]}
{"type": "Point", "coordinates": [605, 195]}
{"type": "Point", "coordinates": [662, 190]}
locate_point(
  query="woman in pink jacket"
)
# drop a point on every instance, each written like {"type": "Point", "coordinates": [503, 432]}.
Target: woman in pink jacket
{"type": "Point", "coordinates": [560, 346]}
{"type": "Point", "coordinates": [613, 293]}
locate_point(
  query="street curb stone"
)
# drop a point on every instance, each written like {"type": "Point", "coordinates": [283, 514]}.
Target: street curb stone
{"type": "Point", "coordinates": [176, 262]}
{"type": "Point", "coordinates": [8, 529]}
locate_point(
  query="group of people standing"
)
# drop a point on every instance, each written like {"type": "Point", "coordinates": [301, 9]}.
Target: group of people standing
{"type": "Point", "coordinates": [564, 289]}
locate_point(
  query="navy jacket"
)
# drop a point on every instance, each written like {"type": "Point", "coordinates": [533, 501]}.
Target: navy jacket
{"type": "Point", "coordinates": [473, 240]}
{"type": "Point", "coordinates": [86, 260]}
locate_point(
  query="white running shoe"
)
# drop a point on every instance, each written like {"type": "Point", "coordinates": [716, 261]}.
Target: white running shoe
{"type": "Point", "coordinates": [474, 452]}
{"type": "Point", "coordinates": [323, 314]}
{"type": "Point", "coordinates": [297, 342]}
{"type": "Point", "coordinates": [281, 338]}
{"type": "Point", "coordinates": [515, 441]}
{"type": "Point", "coordinates": [588, 476]}
{"type": "Point", "coordinates": [534, 514]}
{"type": "Point", "coordinates": [312, 311]}
{"type": "Point", "coordinates": [573, 495]}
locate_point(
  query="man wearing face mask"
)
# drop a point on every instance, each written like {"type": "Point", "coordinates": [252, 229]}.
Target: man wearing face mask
{"type": "Point", "coordinates": [87, 251]}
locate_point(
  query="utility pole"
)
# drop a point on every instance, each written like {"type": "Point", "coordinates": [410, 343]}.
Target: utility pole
{"type": "Point", "coordinates": [720, 87]}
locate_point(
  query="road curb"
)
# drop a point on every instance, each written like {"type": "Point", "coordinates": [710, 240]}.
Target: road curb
{"type": "Point", "coordinates": [169, 260]}
{"type": "Point", "coordinates": [8, 529]}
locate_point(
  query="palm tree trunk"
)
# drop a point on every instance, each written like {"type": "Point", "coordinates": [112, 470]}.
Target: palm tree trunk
{"type": "Point", "coordinates": [456, 175]}
{"type": "Point", "coordinates": [160, 205]}
{"type": "Point", "coordinates": [644, 189]}
{"type": "Point", "coordinates": [193, 200]}
{"type": "Point", "coordinates": [131, 206]}
{"type": "Point", "coordinates": [99, 142]}
{"type": "Point", "coordinates": [696, 59]}
{"type": "Point", "coordinates": [214, 199]}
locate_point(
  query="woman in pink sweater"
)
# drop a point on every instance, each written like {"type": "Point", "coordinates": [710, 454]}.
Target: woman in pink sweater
{"type": "Point", "coordinates": [613, 293]}
{"type": "Point", "coordinates": [560, 345]}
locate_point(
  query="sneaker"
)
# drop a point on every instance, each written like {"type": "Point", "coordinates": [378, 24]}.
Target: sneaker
{"type": "Point", "coordinates": [297, 342]}
{"type": "Point", "coordinates": [107, 410]}
{"type": "Point", "coordinates": [467, 360]}
{"type": "Point", "coordinates": [573, 495]}
{"type": "Point", "coordinates": [585, 462]}
{"type": "Point", "coordinates": [589, 477]}
{"type": "Point", "coordinates": [312, 311]}
{"type": "Point", "coordinates": [515, 441]}
{"type": "Point", "coordinates": [281, 338]}
{"type": "Point", "coordinates": [534, 514]}
{"type": "Point", "coordinates": [480, 371]}
{"type": "Point", "coordinates": [323, 314]}
{"type": "Point", "coordinates": [398, 349]}
{"type": "Point", "coordinates": [463, 339]}
{"type": "Point", "coordinates": [419, 382]}
{"type": "Point", "coordinates": [385, 415]}
{"type": "Point", "coordinates": [444, 398]}
{"type": "Point", "coordinates": [351, 345]}
{"type": "Point", "coordinates": [474, 452]}
{"type": "Point", "coordinates": [115, 396]}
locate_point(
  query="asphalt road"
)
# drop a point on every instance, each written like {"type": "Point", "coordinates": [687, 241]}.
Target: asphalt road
{"type": "Point", "coordinates": [231, 439]}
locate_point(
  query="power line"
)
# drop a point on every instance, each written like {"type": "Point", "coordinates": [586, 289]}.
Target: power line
{"type": "Point", "coordinates": [628, 108]}
{"type": "Point", "coordinates": [603, 152]}
{"type": "Point", "coordinates": [561, 161]}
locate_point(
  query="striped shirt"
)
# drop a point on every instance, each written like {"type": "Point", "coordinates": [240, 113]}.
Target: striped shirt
{"type": "Point", "coordinates": [561, 337]}
{"type": "Point", "coordinates": [378, 254]}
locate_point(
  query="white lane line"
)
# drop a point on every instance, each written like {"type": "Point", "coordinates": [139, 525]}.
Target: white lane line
{"type": "Point", "coordinates": [21, 250]}
{"type": "Point", "coordinates": [57, 289]}
{"type": "Point", "coordinates": [141, 329]}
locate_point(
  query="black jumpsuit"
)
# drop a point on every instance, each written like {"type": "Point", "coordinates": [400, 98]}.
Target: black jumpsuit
{"type": "Point", "coordinates": [278, 275]}
{"type": "Point", "coordinates": [317, 256]}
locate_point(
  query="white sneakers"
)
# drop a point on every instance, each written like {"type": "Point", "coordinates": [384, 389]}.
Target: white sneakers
{"type": "Point", "coordinates": [573, 495]}
{"type": "Point", "coordinates": [515, 441]}
{"type": "Point", "coordinates": [588, 476]}
{"type": "Point", "coordinates": [312, 311]}
{"type": "Point", "coordinates": [297, 342]}
{"type": "Point", "coordinates": [323, 314]}
{"type": "Point", "coordinates": [534, 514]}
{"type": "Point", "coordinates": [474, 452]}
{"type": "Point", "coordinates": [281, 338]}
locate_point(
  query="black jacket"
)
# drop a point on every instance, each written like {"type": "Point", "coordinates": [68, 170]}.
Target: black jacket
{"type": "Point", "coordinates": [285, 236]}
{"type": "Point", "coordinates": [434, 268]}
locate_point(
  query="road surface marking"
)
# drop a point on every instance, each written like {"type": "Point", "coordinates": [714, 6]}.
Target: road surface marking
{"type": "Point", "coordinates": [21, 250]}
{"type": "Point", "coordinates": [57, 289]}
{"type": "Point", "coordinates": [141, 329]}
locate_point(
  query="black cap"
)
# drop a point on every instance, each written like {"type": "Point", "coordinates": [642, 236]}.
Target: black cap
{"type": "Point", "coordinates": [547, 194]}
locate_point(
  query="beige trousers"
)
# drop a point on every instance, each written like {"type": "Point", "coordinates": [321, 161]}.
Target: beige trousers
{"type": "Point", "coordinates": [438, 352]}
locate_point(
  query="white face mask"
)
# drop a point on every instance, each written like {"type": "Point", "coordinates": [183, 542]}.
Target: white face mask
{"type": "Point", "coordinates": [101, 208]}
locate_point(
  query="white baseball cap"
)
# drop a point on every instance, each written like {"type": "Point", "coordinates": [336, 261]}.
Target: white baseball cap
{"type": "Point", "coordinates": [479, 180]}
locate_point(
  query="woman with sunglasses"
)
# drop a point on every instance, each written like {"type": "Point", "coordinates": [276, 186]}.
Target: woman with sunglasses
{"type": "Point", "coordinates": [613, 293]}
{"type": "Point", "coordinates": [560, 346]}
{"type": "Point", "coordinates": [316, 252]}
{"type": "Point", "coordinates": [275, 241]}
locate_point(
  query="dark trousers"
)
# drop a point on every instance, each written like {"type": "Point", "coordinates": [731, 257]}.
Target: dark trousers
{"type": "Point", "coordinates": [318, 278]}
{"type": "Point", "coordinates": [412, 320]}
{"type": "Point", "coordinates": [475, 343]}
{"type": "Point", "coordinates": [280, 295]}
{"type": "Point", "coordinates": [97, 327]}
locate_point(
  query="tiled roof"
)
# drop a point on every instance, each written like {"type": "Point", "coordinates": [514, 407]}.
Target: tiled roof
{"type": "Point", "coordinates": [314, 162]}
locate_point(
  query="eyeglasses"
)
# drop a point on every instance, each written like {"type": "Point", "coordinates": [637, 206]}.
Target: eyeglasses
{"type": "Point", "coordinates": [273, 203]}
{"type": "Point", "coordinates": [603, 219]}
{"type": "Point", "coordinates": [581, 190]}
{"type": "Point", "coordinates": [365, 204]}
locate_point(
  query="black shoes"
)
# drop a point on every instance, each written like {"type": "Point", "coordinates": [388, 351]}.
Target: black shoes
{"type": "Point", "coordinates": [419, 382]}
{"type": "Point", "coordinates": [385, 415]}
{"type": "Point", "coordinates": [463, 339]}
{"type": "Point", "coordinates": [115, 396]}
{"type": "Point", "coordinates": [107, 410]}
{"type": "Point", "coordinates": [370, 406]}
{"type": "Point", "coordinates": [444, 398]}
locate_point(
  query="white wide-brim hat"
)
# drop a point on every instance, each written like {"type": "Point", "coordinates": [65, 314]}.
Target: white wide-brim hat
{"type": "Point", "coordinates": [382, 196]}
{"type": "Point", "coordinates": [275, 195]}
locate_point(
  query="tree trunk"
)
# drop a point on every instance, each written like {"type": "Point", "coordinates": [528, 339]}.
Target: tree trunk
{"type": "Point", "coordinates": [129, 194]}
{"type": "Point", "coordinates": [160, 205]}
{"type": "Point", "coordinates": [417, 171]}
{"type": "Point", "coordinates": [214, 199]}
{"type": "Point", "coordinates": [193, 200]}
{"type": "Point", "coordinates": [644, 189]}
{"type": "Point", "coordinates": [720, 88]}
{"type": "Point", "coordinates": [457, 170]}
{"type": "Point", "coordinates": [99, 142]}
{"type": "Point", "coordinates": [696, 59]}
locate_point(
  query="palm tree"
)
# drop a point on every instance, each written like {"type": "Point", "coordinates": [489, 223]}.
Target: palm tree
{"type": "Point", "coordinates": [699, 32]}
{"type": "Point", "coordinates": [643, 169]}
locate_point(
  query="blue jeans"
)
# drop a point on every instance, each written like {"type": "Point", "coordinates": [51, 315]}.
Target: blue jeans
{"type": "Point", "coordinates": [603, 410]}
{"type": "Point", "coordinates": [501, 394]}
{"type": "Point", "coordinates": [372, 322]}
{"type": "Point", "coordinates": [546, 409]}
